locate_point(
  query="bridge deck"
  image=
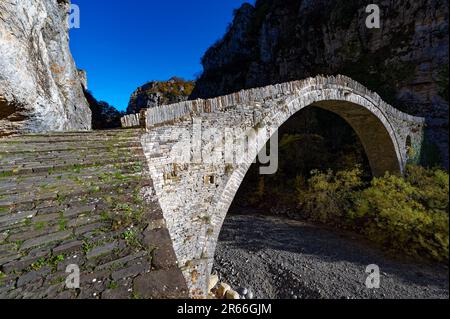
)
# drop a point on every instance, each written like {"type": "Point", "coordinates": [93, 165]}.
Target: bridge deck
{"type": "Point", "coordinates": [84, 199]}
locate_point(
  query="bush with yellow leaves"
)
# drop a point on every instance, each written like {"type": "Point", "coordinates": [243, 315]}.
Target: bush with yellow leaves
{"type": "Point", "coordinates": [408, 214]}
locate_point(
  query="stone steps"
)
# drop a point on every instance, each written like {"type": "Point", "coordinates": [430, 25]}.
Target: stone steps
{"type": "Point", "coordinates": [60, 168]}
{"type": "Point", "coordinates": [71, 141]}
{"type": "Point", "coordinates": [66, 138]}
{"type": "Point", "coordinates": [84, 171]}
{"type": "Point", "coordinates": [51, 183]}
{"type": "Point", "coordinates": [48, 176]}
{"type": "Point", "coordinates": [52, 200]}
{"type": "Point", "coordinates": [34, 154]}
{"type": "Point", "coordinates": [69, 146]}
{"type": "Point", "coordinates": [77, 198]}
{"type": "Point", "coordinates": [12, 159]}
{"type": "Point", "coordinates": [90, 134]}
{"type": "Point", "coordinates": [61, 165]}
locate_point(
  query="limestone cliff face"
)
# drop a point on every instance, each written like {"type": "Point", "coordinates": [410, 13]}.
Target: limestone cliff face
{"type": "Point", "coordinates": [158, 93]}
{"type": "Point", "coordinates": [406, 61]}
{"type": "Point", "coordinates": [40, 86]}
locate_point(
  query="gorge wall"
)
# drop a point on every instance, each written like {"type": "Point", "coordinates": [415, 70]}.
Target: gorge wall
{"type": "Point", "coordinates": [40, 86]}
{"type": "Point", "coordinates": [405, 61]}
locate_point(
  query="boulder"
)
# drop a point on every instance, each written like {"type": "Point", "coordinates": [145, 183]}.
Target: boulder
{"type": "Point", "coordinates": [222, 290]}
{"type": "Point", "coordinates": [213, 280]}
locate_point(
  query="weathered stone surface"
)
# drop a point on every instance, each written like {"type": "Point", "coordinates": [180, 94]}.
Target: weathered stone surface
{"type": "Point", "coordinates": [40, 87]}
{"type": "Point", "coordinates": [3, 236]}
{"type": "Point", "coordinates": [21, 263]}
{"type": "Point", "coordinates": [156, 238]}
{"type": "Point", "coordinates": [159, 241]}
{"type": "Point", "coordinates": [122, 261]}
{"type": "Point", "coordinates": [10, 219]}
{"type": "Point", "coordinates": [89, 228]}
{"type": "Point", "coordinates": [101, 250]}
{"type": "Point", "coordinates": [66, 294]}
{"type": "Point", "coordinates": [7, 248]}
{"type": "Point", "coordinates": [4, 259]}
{"type": "Point", "coordinates": [161, 284]}
{"type": "Point", "coordinates": [32, 233]}
{"type": "Point", "coordinates": [67, 247]}
{"type": "Point", "coordinates": [164, 257]}
{"type": "Point", "coordinates": [131, 271]}
{"type": "Point", "coordinates": [32, 276]}
{"type": "Point", "coordinates": [94, 277]}
{"type": "Point", "coordinates": [117, 293]}
{"type": "Point", "coordinates": [46, 239]}
{"type": "Point", "coordinates": [54, 290]}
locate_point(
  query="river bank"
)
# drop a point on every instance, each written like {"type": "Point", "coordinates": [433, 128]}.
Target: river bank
{"type": "Point", "coordinates": [281, 258]}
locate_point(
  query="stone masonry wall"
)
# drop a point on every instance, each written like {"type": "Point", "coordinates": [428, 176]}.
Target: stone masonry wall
{"type": "Point", "coordinates": [195, 196]}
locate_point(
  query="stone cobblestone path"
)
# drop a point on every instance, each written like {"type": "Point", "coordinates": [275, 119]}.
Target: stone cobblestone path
{"type": "Point", "coordinates": [84, 199]}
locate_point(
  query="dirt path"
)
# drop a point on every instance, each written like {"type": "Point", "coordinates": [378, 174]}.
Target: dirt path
{"type": "Point", "coordinates": [281, 258]}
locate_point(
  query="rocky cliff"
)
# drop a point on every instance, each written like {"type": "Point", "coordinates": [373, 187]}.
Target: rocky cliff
{"type": "Point", "coordinates": [104, 115]}
{"type": "Point", "coordinates": [40, 86]}
{"type": "Point", "coordinates": [405, 61]}
{"type": "Point", "coordinates": [158, 93]}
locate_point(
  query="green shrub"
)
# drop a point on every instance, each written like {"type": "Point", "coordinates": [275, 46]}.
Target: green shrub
{"type": "Point", "coordinates": [407, 214]}
{"type": "Point", "coordinates": [328, 196]}
{"type": "Point", "coordinates": [432, 187]}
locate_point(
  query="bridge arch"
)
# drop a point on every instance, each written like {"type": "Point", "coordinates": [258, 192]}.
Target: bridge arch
{"type": "Point", "coordinates": [195, 197]}
{"type": "Point", "coordinates": [381, 142]}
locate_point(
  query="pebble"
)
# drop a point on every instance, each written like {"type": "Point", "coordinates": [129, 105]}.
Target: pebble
{"type": "Point", "coordinates": [242, 291]}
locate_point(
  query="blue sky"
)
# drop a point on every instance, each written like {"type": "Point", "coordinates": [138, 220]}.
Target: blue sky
{"type": "Point", "coordinates": [124, 44]}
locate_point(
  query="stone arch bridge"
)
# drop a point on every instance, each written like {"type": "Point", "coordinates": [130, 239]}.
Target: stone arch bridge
{"type": "Point", "coordinates": [182, 199]}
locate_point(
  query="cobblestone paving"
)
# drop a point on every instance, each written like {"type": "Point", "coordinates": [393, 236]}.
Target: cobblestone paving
{"type": "Point", "coordinates": [83, 199]}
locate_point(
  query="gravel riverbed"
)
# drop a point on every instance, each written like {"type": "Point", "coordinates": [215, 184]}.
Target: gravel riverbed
{"type": "Point", "coordinates": [279, 258]}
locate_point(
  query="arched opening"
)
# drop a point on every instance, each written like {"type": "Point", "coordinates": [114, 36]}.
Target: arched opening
{"type": "Point", "coordinates": [377, 136]}
{"type": "Point", "coordinates": [312, 139]}
{"type": "Point", "coordinates": [263, 236]}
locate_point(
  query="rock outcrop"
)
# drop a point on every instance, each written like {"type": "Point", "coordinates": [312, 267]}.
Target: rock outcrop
{"type": "Point", "coordinates": [157, 93]}
{"type": "Point", "coordinates": [40, 86]}
{"type": "Point", "coordinates": [104, 115]}
{"type": "Point", "coordinates": [275, 41]}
